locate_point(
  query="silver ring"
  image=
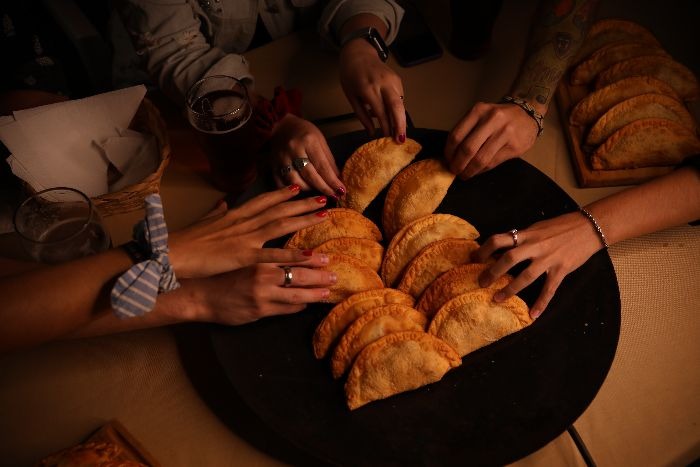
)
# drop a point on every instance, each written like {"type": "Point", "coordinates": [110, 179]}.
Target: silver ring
{"type": "Point", "coordinates": [286, 170]}
{"type": "Point", "coordinates": [287, 276]}
{"type": "Point", "coordinates": [300, 162]}
{"type": "Point", "coordinates": [514, 233]}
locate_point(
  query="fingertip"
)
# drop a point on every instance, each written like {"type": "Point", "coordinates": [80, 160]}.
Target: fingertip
{"type": "Point", "coordinates": [535, 313]}
{"type": "Point", "coordinates": [499, 296]}
{"type": "Point", "coordinates": [294, 188]}
{"type": "Point", "coordinates": [324, 294]}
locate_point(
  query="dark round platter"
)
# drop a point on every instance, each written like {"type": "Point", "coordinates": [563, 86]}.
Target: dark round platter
{"type": "Point", "coordinates": [505, 401]}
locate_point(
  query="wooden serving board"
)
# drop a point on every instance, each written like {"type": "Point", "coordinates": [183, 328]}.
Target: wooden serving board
{"type": "Point", "coordinates": [567, 97]}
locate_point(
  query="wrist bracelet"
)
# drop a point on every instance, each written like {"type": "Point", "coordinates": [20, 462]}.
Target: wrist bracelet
{"type": "Point", "coordinates": [529, 109]}
{"type": "Point", "coordinates": [590, 217]}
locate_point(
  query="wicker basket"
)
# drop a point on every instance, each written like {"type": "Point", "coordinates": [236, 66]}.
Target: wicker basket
{"type": "Point", "coordinates": [130, 198]}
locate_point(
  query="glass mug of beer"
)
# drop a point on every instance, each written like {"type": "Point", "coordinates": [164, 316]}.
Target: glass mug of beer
{"type": "Point", "coordinates": [219, 108]}
{"type": "Point", "coordinates": [60, 224]}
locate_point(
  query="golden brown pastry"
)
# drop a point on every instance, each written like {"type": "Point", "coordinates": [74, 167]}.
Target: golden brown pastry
{"type": "Point", "coordinates": [347, 311]}
{"type": "Point", "coordinates": [607, 56]}
{"type": "Point", "coordinates": [372, 166]}
{"type": "Point", "coordinates": [396, 363]}
{"type": "Point", "coordinates": [433, 260]}
{"type": "Point", "coordinates": [368, 251]}
{"type": "Point", "coordinates": [676, 75]}
{"type": "Point", "coordinates": [341, 222]}
{"type": "Point", "coordinates": [454, 282]}
{"type": "Point", "coordinates": [594, 105]}
{"type": "Point", "coordinates": [371, 326]}
{"type": "Point", "coordinates": [473, 320]}
{"type": "Point", "coordinates": [415, 192]}
{"type": "Point", "coordinates": [646, 143]}
{"type": "Point", "coordinates": [607, 31]}
{"type": "Point", "coordinates": [637, 108]}
{"type": "Point", "coordinates": [353, 276]}
{"type": "Point", "coordinates": [410, 240]}
{"type": "Point", "coordinates": [90, 454]}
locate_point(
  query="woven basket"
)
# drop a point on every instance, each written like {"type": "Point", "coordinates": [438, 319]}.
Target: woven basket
{"type": "Point", "coordinates": [130, 198]}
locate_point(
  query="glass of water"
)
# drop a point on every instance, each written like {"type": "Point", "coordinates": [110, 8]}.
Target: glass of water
{"type": "Point", "coordinates": [60, 224]}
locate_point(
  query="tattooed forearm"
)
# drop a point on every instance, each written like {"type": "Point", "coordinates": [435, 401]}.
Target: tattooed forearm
{"type": "Point", "coordinates": [558, 31]}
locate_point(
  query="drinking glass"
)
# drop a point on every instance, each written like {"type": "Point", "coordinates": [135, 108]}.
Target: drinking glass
{"type": "Point", "coordinates": [219, 108]}
{"type": "Point", "coordinates": [60, 224]}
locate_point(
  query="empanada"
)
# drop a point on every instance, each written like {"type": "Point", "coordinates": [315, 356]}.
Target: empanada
{"type": "Point", "coordinates": [637, 108]}
{"type": "Point", "coordinates": [341, 222]}
{"type": "Point", "coordinates": [433, 260]}
{"type": "Point", "coordinates": [411, 239]}
{"type": "Point", "coordinates": [646, 143]}
{"type": "Point", "coordinates": [607, 56]}
{"type": "Point", "coordinates": [368, 251]}
{"type": "Point", "coordinates": [676, 75]}
{"type": "Point", "coordinates": [594, 105]}
{"type": "Point", "coordinates": [396, 363]}
{"type": "Point", "coordinates": [353, 276]}
{"type": "Point", "coordinates": [607, 31]}
{"type": "Point", "coordinates": [456, 281]}
{"type": "Point", "coordinates": [473, 320]}
{"type": "Point", "coordinates": [415, 192]}
{"type": "Point", "coordinates": [347, 311]}
{"type": "Point", "coordinates": [372, 166]}
{"type": "Point", "coordinates": [371, 326]}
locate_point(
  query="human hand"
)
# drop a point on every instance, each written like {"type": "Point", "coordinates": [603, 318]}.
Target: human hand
{"type": "Point", "coordinates": [373, 89]}
{"type": "Point", "coordinates": [488, 135]}
{"type": "Point", "coordinates": [555, 247]}
{"type": "Point", "coordinates": [295, 137]}
{"type": "Point", "coordinates": [231, 239]}
{"type": "Point", "coordinates": [257, 291]}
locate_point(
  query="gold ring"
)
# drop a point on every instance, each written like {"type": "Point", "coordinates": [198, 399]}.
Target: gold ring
{"type": "Point", "coordinates": [514, 233]}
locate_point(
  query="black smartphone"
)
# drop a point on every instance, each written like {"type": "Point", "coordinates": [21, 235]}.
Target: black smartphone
{"type": "Point", "coordinates": [415, 43]}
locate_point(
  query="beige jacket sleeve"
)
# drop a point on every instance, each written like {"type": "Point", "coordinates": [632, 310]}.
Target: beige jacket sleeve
{"type": "Point", "coordinates": [337, 12]}
{"type": "Point", "coordinates": [167, 35]}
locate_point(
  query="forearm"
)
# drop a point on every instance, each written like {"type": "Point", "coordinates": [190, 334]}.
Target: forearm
{"type": "Point", "coordinates": [343, 16]}
{"type": "Point", "coordinates": [558, 32]}
{"type": "Point", "coordinates": [662, 203]}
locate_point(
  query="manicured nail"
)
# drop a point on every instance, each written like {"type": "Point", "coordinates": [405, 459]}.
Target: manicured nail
{"type": "Point", "coordinates": [340, 191]}
{"type": "Point", "coordinates": [323, 213]}
{"type": "Point", "coordinates": [402, 138]}
{"type": "Point", "coordinates": [334, 198]}
{"type": "Point", "coordinates": [307, 252]}
{"type": "Point", "coordinates": [323, 259]}
{"type": "Point", "coordinates": [333, 277]}
{"type": "Point", "coordinates": [294, 187]}
{"type": "Point", "coordinates": [321, 199]}
{"type": "Point", "coordinates": [325, 293]}
{"type": "Point", "coordinates": [499, 297]}
{"type": "Point", "coordinates": [534, 314]}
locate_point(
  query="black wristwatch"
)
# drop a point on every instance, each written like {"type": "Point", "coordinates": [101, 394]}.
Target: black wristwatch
{"type": "Point", "coordinates": [372, 36]}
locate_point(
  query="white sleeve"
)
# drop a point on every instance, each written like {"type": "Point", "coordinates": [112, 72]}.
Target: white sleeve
{"type": "Point", "coordinates": [167, 36]}
{"type": "Point", "coordinates": [337, 12]}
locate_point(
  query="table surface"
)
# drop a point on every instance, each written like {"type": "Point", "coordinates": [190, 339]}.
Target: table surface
{"type": "Point", "coordinates": [646, 413]}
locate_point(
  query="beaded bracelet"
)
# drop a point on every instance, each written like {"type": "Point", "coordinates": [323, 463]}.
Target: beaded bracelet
{"type": "Point", "coordinates": [595, 225]}
{"type": "Point", "coordinates": [529, 109]}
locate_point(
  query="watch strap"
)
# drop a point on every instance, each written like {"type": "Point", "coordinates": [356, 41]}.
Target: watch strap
{"type": "Point", "coordinates": [372, 36]}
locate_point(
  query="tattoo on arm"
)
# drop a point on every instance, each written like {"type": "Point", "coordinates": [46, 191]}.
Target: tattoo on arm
{"type": "Point", "coordinates": [558, 31]}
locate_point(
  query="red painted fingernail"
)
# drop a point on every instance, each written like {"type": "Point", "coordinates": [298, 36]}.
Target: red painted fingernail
{"type": "Point", "coordinates": [333, 197]}
{"type": "Point", "coordinates": [294, 187]}
{"type": "Point", "coordinates": [323, 213]}
{"type": "Point", "coordinates": [321, 199]}
{"type": "Point", "coordinates": [340, 191]}
{"type": "Point", "coordinates": [307, 252]}
{"type": "Point", "coordinates": [402, 138]}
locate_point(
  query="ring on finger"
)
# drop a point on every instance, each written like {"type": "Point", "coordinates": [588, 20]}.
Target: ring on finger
{"type": "Point", "coordinates": [300, 162]}
{"type": "Point", "coordinates": [514, 233]}
{"type": "Point", "coordinates": [288, 276]}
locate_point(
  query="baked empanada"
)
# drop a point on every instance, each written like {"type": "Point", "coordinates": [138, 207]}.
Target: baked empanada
{"type": "Point", "coordinates": [473, 320]}
{"type": "Point", "coordinates": [372, 166]}
{"type": "Point", "coordinates": [607, 31]}
{"type": "Point", "coordinates": [637, 108]}
{"type": "Point", "coordinates": [411, 239]}
{"type": "Point", "coordinates": [594, 105]}
{"type": "Point", "coordinates": [353, 276]}
{"type": "Point", "coordinates": [607, 56]}
{"type": "Point", "coordinates": [341, 222]}
{"type": "Point", "coordinates": [433, 260]}
{"type": "Point", "coordinates": [415, 192]}
{"type": "Point", "coordinates": [371, 326]}
{"type": "Point", "coordinates": [454, 282]}
{"type": "Point", "coordinates": [676, 75]}
{"type": "Point", "coordinates": [396, 363]}
{"type": "Point", "coordinates": [347, 311]}
{"type": "Point", "coordinates": [368, 251]}
{"type": "Point", "coordinates": [646, 143]}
